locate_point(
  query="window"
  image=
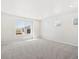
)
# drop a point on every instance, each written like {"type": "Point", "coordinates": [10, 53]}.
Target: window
{"type": "Point", "coordinates": [23, 28]}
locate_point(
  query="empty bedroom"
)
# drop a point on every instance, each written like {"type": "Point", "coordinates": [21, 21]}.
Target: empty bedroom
{"type": "Point", "coordinates": [39, 29]}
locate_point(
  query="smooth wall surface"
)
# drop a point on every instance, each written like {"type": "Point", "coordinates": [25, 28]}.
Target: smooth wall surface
{"type": "Point", "coordinates": [36, 28]}
{"type": "Point", "coordinates": [60, 29]}
{"type": "Point", "coordinates": [8, 23]}
{"type": "Point", "coordinates": [8, 28]}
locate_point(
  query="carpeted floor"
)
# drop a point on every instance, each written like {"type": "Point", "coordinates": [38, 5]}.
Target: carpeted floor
{"type": "Point", "coordinates": [38, 49]}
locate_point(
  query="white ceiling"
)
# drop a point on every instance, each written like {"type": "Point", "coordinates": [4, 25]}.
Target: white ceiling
{"type": "Point", "coordinates": [38, 9]}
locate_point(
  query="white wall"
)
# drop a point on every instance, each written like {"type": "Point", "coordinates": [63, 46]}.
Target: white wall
{"type": "Point", "coordinates": [66, 33]}
{"type": "Point", "coordinates": [8, 27]}
{"type": "Point", "coordinates": [36, 28]}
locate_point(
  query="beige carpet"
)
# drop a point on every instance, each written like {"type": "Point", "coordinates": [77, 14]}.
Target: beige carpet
{"type": "Point", "coordinates": [38, 49]}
